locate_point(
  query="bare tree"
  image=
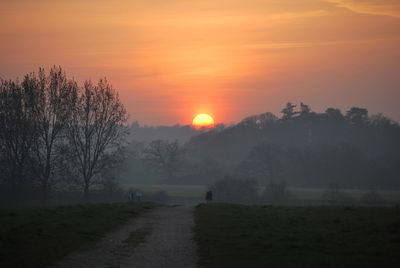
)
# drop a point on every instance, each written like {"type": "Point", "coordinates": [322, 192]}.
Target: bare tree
{"type": "Point", "coordinates": [96, 131]}
{"type": "Point", "coordinates": [56, 94]}
{"type": "Point", "coordinates": [17, 132]}
{"type": "Point", "coordinates": [165, 156]}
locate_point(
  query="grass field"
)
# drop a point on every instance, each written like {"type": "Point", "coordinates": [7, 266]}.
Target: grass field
{"type": "Point", "coordinates": [37, 236]}
{"type": "Point", "coordinates": [257, 236]}
{"type": "Point", "coordinates": [196, 193]}
{"type": "Point", "coordinates": [315, 194]}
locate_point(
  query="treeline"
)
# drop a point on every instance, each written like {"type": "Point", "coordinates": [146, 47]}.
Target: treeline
{"type": "Point", "coordinates": [56, 134]}
{"type": "Point", "coordinates": [301, 148]}
{"type": "Point", "coordinates": [308, 149]}
{"type": "Point", "coordinates": [231, 190]}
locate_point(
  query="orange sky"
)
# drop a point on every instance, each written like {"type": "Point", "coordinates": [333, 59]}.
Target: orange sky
{"type": "Point", "coordinates": [171, 59]}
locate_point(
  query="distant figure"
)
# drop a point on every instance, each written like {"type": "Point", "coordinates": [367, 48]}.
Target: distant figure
{"type": "Point", "coordinates": [131, 196]}
{"type": "Point", "coordinates": [209, 196]}
{"type": "Point", "coordinates": [139, 194]}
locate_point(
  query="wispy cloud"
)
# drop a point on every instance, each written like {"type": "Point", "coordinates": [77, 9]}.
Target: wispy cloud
{"type": "Point", "coordinates": [389, 8]}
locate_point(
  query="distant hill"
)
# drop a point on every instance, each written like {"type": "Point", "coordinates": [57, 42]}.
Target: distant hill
{"type": "Point", "coordinates": [308, 149]}
{"type": "Point", "coordinates": [146, 134]}
{"type": "Point", "coordinates": [375, 135]}
{"type": "Point", "coordinates": [301, 148]}
{"type": "Point", "coordinates": [234, 142]}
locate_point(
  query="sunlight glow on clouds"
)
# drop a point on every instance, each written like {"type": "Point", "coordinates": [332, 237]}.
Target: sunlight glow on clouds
{"type": "Point", "coordinates": [375, 7]}
{"type": "Point", "coordinates": [173, 59]}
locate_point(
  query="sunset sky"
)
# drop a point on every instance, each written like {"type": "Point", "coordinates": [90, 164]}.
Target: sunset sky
{"type": "Point", "coordinates": [172, 59]}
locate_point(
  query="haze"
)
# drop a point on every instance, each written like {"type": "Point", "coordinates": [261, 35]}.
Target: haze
{"type": "Point", "coordinates": [170, 60]}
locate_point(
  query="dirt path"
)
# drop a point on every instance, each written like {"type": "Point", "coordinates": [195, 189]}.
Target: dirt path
{"type": "Point", "coordinates": [167, 234]}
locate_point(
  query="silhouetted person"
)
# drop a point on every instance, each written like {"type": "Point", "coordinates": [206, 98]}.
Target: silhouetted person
{"type": "Point", "coordinates": [139, 195]}
{"type": "Point", "coordinates": [209, 196]}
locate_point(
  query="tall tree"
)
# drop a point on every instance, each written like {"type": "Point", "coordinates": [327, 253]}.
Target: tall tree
{"type": "Point", "coordinates": [56, 95]}
{"type": "Point", "coordinates": [96, 131]}
{"type": "Point", "coordinates": [357, 116]}
{"type": "Point", "coordinates": [289, 112]}
{"type": "Point", "coordinates": [304, 109]}
{"type": "Point", "coordinates": [334, 113]}
{"type": "Point", "coordinates": [17, 132]}
{"type": "Point", "coordinates": [260, 121]}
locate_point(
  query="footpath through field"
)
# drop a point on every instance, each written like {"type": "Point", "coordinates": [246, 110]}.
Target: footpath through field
{"type": "Point", "coordinates": [160, 238]}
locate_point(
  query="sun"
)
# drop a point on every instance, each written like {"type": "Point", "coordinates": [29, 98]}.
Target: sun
{"type": "Point", "coordinates": [203, 121]}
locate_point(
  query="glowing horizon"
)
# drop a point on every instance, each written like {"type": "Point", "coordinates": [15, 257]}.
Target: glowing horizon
{"type": "Point", "coordinates": [203, 120]}
{"type": "Point", "coordinates": [171, 60]}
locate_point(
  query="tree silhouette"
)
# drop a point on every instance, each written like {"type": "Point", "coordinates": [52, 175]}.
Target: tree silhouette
{"type": "Point", "coordinates": [334, 113]}
{"type": "Point", "coordinates": [56, 95]}
{"type": "Point", "coordinates": [96, 131]}
{"type": "Point", "coordinates": [304, 109]}
{"type": "Point", "coordinates": [288, 112]}
{"type": "Point", "coordinates": [165, 156]}
{"type": "Point", "coordinates": [260, 121]}
{"type": "Point", "coordinates": [17, 133]}
{"type": "Point", "coordinates": [357, 116]}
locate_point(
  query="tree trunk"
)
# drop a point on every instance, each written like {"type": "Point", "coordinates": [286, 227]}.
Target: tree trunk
{"type": "Point", "coordinates": [86, 193]}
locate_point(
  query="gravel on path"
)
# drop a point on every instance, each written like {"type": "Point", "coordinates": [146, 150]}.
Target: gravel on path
{"type": "Point", "coordinates": [168, 243]}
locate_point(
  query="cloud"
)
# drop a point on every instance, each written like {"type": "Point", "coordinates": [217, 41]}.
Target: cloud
{"type": "Point", "coordinates": [389, 8]}
{"type": "Point", "coordinates": [188, 54]}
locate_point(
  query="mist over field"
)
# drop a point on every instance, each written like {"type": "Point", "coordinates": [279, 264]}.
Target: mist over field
{"type": "Point", "coordinates": [300, 147]}
{"type": "Point", "coordinates": [52, 153]}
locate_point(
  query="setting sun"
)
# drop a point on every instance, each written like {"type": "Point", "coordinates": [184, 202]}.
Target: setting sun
{"type": "Point", "coordinates": [203, 121]}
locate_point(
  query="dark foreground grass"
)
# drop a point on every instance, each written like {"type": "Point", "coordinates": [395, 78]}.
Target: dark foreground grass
{"type": "Point", "coordinates": [255, 236]}
{"type": "Point", "coordinates": [38, 236]}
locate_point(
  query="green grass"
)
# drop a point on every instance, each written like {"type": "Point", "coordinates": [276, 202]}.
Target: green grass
{"type": "Point", "coordinates": [38, 236]}
{"type": "Point", "coordinates": [256, 236]}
